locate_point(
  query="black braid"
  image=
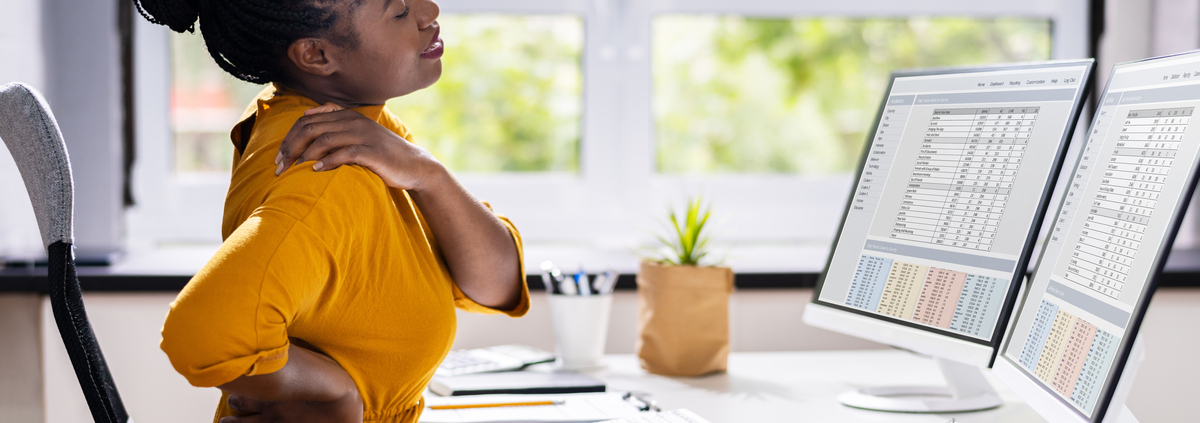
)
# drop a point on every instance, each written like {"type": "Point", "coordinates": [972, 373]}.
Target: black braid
{"type": "Point", "coordinates": [249, 38]}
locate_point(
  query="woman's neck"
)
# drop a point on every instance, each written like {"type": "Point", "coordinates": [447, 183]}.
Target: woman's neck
{"type": "Point", "coordinates": [322, 95]}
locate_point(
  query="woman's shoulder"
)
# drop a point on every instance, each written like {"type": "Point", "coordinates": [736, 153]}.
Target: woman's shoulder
{"type": "Point", "coordinates": [349, 196]}
{"type": "Point", "coordinates": [349, 185]}
{"type": "Point", "coordinates": [299, 189]}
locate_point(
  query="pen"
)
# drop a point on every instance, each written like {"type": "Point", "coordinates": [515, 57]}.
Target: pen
{"type": "Point", "coordinates": [548, 277]}
{"type": "Point", "coordinates": [501, 404]}
{"type": "Point", "coordinates": [610, 281]}
{"type": "Point", "coordinates": [581, 279]}
{"type": "Point", "coordinates": [646, 404]}
{"type": "Point", "coordinates": [599, 282]}
{"type": "Point", "coordinates": [566, 286]}
{"type": "Point", "coordinates": [561, 282]}
{"type": "Point", "coordinates": [548, 281]}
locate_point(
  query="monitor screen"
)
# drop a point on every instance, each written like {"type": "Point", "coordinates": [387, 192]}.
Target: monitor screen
{"type": "Point", "coordinates": [952, 189]}
{"type": "Point", "coordinates": [1110, 237]}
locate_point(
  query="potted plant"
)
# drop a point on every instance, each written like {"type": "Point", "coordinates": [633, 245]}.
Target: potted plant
{"type": "Point", "coordinates": [683, 300]}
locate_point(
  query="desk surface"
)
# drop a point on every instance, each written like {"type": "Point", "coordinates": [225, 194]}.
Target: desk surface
{"type": "Point", "coordinates": [800, 387]}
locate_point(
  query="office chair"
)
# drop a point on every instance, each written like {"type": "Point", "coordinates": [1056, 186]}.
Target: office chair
{"type": "Point", "coordinates": [32, 136]}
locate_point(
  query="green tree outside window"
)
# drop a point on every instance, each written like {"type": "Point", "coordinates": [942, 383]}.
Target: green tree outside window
{"type": "Point", "coordinates": [735, 94]}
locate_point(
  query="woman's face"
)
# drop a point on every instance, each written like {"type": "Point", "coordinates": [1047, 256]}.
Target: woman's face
{"type": "Point", "coordinates": [397, 49]}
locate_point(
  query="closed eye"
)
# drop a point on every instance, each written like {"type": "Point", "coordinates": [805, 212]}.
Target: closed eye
{"type": "Point", "coordinates": [403, 15]}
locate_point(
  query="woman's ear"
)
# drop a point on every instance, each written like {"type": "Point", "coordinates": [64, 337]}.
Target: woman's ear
{"type": "Point", "coordinates": [313, 56]}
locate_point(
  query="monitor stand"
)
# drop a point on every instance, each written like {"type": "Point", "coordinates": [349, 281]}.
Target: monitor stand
{"type": "Point", "coordinates": [966, 390]}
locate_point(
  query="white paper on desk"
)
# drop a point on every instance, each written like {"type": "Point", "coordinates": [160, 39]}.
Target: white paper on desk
{"type": "Point", "coordinates": [575, 408]}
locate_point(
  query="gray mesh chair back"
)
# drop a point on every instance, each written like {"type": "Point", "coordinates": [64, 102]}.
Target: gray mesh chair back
{"type": "Point", "coordinates": [32, 136]}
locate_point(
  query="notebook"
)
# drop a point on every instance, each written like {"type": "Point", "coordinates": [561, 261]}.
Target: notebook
{"type": "Point", "coordinates": [575, 408]}
{"type": "Point", "coordinates": [515, 383]}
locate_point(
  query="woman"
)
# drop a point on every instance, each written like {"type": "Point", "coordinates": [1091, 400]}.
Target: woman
{"type": "Point", "coordinates": [347, 247]}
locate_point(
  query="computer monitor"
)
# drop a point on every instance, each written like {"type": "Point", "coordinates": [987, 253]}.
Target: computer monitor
{"type": "Point", "coordinates": [950, 194]}
{"type": "Point", "coordinates": [1071, 349]}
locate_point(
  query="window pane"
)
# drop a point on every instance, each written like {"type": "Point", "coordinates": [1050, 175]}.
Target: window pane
{"type": "Point", "coordinates": [734, 94]}
{"type": "Point", "coordinates": [205, 103]}
{"type": "Point", "coordinates": [509, 99]}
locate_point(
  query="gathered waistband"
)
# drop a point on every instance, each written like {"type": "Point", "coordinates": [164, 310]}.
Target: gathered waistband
{"type": "Point", "coordinates": [406, 415]}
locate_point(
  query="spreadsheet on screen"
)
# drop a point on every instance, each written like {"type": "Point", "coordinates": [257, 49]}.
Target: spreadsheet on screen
{"type": "Point", "coordinates": [1127, 188]}
{"type": "Point", "coordinates": [949, 188]}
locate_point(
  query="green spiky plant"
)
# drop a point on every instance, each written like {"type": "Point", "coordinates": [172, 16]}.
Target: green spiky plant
{"type": "Point", "coordinates": [689, 243]}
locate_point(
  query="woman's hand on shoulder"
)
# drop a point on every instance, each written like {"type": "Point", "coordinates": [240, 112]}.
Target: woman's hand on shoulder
{"type": "Point", "coordinates": [348, 409]}
{"type": "Point", "coordinates": [333, 136]}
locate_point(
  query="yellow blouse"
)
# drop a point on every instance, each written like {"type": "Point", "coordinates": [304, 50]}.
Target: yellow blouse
{"type": "Point", "coordinates": [336, 259]}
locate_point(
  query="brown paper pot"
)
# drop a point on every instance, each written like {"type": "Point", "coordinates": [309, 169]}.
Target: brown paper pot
{"type": "Point", "coordinates": [683, 319]}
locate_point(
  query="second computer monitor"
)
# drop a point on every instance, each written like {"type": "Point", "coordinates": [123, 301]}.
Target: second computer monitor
{"type": "Point", "coordinates": [950, 194]}
{"type": "Point", "coordinates": [1072, 345]}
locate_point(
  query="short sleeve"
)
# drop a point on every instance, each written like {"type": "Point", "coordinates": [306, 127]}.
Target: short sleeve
{"type": "Point", "coordinates": [232, 317]}
{"type": "Point", "coordinates": [463, 302]}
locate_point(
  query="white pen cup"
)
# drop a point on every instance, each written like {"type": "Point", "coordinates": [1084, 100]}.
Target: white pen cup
{"type": "Point", "coordinates": [580, 329]}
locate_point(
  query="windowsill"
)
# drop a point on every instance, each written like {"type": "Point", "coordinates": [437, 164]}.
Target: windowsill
{"type": "Point", "coordinates": [168, 269]}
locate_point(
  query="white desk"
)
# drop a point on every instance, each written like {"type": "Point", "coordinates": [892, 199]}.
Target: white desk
{"type": "Point", "coordinates": [799, 387]}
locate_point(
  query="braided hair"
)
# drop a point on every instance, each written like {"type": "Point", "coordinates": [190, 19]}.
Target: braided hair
{"type": "Point", "coordinates": [249, 38]}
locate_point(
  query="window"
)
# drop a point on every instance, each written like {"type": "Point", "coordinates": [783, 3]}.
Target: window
{"type": "Point", "coordinates": [582, 119]}
{"type": "Point", "coordinates": [764, 95]}
{"type": "Point", "coordinates": [509, 99]}
{"type": "Point", "coordinates": [510, 96]}
{"type": "Point", "coordinates": [205, 102]}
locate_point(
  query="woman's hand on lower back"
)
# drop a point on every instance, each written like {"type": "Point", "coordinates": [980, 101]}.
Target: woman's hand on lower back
{"type": "Point", "coordinates": [310, 387]}
{"type": "Point", "coordinates": [333, 136]}
{"type": "Point", "coordinates": [348, 409]}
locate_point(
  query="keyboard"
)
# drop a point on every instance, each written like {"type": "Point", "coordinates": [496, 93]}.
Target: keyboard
{"type": "Point", "coordinates": [673, 416]}
{"type": "Point", "coordinates": [492, 359]}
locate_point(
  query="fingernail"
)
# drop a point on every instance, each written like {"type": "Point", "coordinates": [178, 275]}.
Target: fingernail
{"type": "Point", "coordinates": [278, 157]}
{"type": "Point", "coordinates": [318, 165]}
{"type": "Point", "coordinates": [279, 169]}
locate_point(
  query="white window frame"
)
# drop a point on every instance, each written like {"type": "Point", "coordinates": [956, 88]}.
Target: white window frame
{"type": "Point", "coordinates": [615, 199]}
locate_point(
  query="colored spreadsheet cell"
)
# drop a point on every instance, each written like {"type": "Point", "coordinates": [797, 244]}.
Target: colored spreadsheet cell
{"type": "Point", "coordinates": [1056, 345]}
{"type": "Point", "coordinates": [978, 305]}
{"type": "Point", "coordinates": [944, 298]}
{"type": "Point", "coordinates": [1073, 357]}
{"type": "Point", "coordinates": [1036, 342]}
{"type": "Point", "coordinates": [902, 290]}
{"type": "Point", "coordinates": [869, 280]}
{"type": "Point", "coordinates": [939, 296]}
{"type": "Point", "coordinates": [1095, 370]}
{"type": "Point", "coordinates": [1070, 354]}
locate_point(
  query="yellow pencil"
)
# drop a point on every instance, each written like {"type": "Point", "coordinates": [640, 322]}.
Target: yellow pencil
{"type": "Point", "coordinates": [503, 404]}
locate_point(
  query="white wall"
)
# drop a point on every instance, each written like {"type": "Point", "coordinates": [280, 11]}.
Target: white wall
{"type": "Point", "coordinates": [68, 50]}
{"type": "Point", "coordinates": [21, 48]}
{"type": "Point", "coordinates": [1176, 26]}
{"type": "Point", "coordinates": [760, 320]}
{"type": "Point", "coordinates": [83, 87]}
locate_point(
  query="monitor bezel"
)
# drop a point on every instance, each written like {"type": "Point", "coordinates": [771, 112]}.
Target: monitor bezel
{"type": "Point", "coordinates": [1023, 260]}
{"type": "Point", "coordinates": [1139, 310]}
